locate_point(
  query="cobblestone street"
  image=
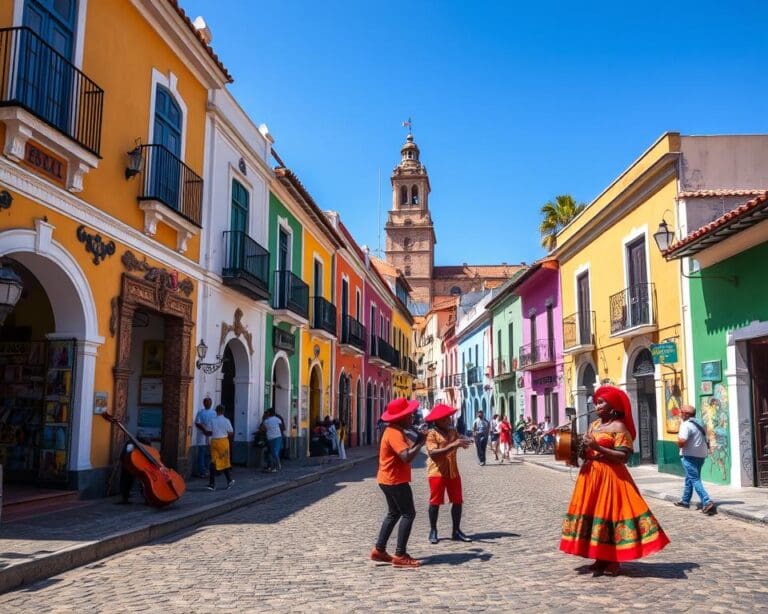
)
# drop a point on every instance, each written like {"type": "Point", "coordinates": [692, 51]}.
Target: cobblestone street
{"type": "Point", "coordinates": [307, 550]}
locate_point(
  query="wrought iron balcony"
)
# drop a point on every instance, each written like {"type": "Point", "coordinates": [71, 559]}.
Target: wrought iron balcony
{"type": "Point", "coordinates": [323, 315]}
{"type": "Point", "coordinates": [537, 355]}
{"type": "Point", "coordinates": [505, 367]}
{"type": "Point", "coordinates": [396, 361]}
{"type": "Point", "coordinates": [291, 294]}
{"type": "Point", "coordinates": [352, 334]}
{"type": "Point", "coordinates": [37, 78]}
{"type": "Point", "coordinates": [246, 265]}
{"type": "Point", "coordinates": [410, 367]}
{"type": "Point", "coordinates": [474, 376]}
{"type": "Point", "coordinates": [457, 380]}
{"type": "Point", "coordinates": [633, 311]}
{"type": "Point", "coordinates": [167, 180]}
{"type": "Point", "coordinates": [432, 382]}
{"type": "Point", "coordinates": [381, 352]}
{"type": "Point", "coordinates": [578, 332]}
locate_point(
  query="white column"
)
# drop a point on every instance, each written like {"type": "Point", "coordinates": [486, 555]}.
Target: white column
{"type": "Point", "coordinates": [82, 407]}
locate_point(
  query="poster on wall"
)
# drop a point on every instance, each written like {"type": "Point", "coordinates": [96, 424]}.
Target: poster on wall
{"type": "Point", "coordinates": [712, 371]}
{"type": "Point", "coordinates": [151, 391]}
{"type": "Point", "coordinates": [150, 423]}
{"type": "Point", "coordinates": [152, 360]}
{"type": "Point", "coordinates": [673, 400]}
{"type": "Point", "coordinates": [714, 413]}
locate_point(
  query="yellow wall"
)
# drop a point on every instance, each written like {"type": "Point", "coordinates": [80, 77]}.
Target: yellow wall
{"type": "Point", "coordinates": [402, 385]}
{"type": "Point", "coordinates": [120, 60]}
{"type": "Point", "coordinates": [312, 248]}
{"type": "Point", "coordinates": [605, 256]}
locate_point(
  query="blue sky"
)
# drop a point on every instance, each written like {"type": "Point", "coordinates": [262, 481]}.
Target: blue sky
{"type": "Point", "coordinates": [512, 103]}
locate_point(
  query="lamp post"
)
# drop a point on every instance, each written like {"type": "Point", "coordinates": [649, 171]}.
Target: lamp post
{"type": "Point", "coordinates": [206, 367]}
{"type": "Point", "coordinates": [10, 291]}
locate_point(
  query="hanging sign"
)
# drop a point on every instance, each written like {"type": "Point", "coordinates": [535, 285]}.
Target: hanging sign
{"type": "Point", "coordinates": [664, 353]}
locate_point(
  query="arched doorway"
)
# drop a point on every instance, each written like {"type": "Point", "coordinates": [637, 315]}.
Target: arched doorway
{"type": "Point", "coordinates": [234, 396]}
{"type": "Point", "coordinates": [502, 407]}
{"type": "Point", "coordinates": [280, 401]}
{"type": "Point", "coordinates": [315, 396]}
{"type": "Point", "coordinates": [358, 412]}
{"type": "Point", "coordinates": [228, 373]}
{"type": "Point", "coordinates": [644, 371]}
{"type": "Point", "coordinates": [344, 403]}
{"type": "Point", "coordinates": [369, 415]}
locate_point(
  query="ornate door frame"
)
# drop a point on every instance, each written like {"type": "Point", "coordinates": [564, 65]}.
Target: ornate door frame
{"type": "Point", "coordinates": [157, 296]}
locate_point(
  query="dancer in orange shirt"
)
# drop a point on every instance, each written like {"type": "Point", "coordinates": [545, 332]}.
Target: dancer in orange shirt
{"type": "Point", "coordinates": [396, 453]}
{"type": "Point", "coordinates": [443, 441]}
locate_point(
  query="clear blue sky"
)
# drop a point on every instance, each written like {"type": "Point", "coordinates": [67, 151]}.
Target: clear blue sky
{"type": "Point", "coordinates": [512, 102]}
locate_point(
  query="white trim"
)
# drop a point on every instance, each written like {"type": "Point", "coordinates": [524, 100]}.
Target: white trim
{"type": "Point", "coordinates": [740, 416]}
{"type": "Point", "coordinates": [169, 82]}
{"type": "Point", "coordinates": [235, 175]}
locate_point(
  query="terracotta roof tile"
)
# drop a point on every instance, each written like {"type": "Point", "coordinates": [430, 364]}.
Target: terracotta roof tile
{"type": "Point", "coordinates": [199, 36]}
{"type": "Point", "coordinates": [742, 211]}
{"type": "Point", "coordinates": [720, 192]}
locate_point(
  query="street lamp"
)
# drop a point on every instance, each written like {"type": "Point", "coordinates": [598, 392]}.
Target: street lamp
{"type": "Point", "coordinates": [206, 367]}
{"type": "Point", "coordinates": [663, 236]}
{"type": "Point", "coordinates": [10, 291]}
{"type": "Point", "coordinates": [135, 161]}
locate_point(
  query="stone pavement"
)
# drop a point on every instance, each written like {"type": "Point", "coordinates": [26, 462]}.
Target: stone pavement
{"type": "Point", "coordinates": [307, 551]}
{"type": "Point", "coordinates": [743, 503]}
{"type": "Point", "coordinates": [48, 544]}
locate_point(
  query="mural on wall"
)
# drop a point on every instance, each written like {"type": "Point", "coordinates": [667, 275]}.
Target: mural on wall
{"type": "Point", "coordinates": [714, 413]}
{"type": "Point", "coordinates": [673, 399]}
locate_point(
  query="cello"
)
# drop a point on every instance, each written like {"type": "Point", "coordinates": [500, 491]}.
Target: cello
{"type": "Point", "coordinates": [161, 485]}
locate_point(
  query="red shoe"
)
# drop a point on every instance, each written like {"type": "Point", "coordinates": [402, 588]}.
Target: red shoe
{"type": "Point", "coordinates": [381, 557]}
{"type": "Point", "coordinates": [405, 561]}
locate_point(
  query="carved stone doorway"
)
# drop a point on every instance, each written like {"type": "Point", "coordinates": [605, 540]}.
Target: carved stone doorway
{"type": "Point", "coordinates": [154, 296]}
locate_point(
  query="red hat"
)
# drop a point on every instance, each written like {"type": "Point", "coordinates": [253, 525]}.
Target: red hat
{"type": "Point", "coordinates": [619, 402]}
{"type": "Point", "coordinates": [397, 409]}
{"type": "Point", "coordinates": [440, 411]}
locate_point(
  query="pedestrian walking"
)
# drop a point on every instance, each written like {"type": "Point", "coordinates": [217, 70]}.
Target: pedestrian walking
{"type": "Point", "coordinates": [443, 443]}
{"type": "Point", "coordinates": [341, 433]}
{"type": "Point", "coordinates": [505, 438]}
{"type": "Point", "coordinates": [480, 430]}
{"type": "Point", "coordinates": [332, 434]}
{"type": "Point", "coordinates": [495, 422]}
{"type": "Point", "coordinates": [396, 453]}
{"type": "Point", "coordinates": [221, 439]}
{"type": "Point", "coordinates": [519, 435]}
{"type": "Point", "coordinates": [607, 518]}
{"type": "Point", "coordinates": [692, 440]}
{"type": "Point", "coordinates": [273, 427]}
{"type": "Point", "coordinates": [202, 437]}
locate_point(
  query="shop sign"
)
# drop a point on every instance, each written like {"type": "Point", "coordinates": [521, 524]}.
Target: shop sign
{"type": "Point", "coordinates": [44, 162]}
{"type": "Point", "coordinates": [664, 353]}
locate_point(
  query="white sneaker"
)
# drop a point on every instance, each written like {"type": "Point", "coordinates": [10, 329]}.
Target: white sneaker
{"type": "Point", "coordinates": [230, 484]}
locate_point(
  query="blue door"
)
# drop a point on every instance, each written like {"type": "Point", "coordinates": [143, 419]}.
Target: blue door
{"type": "Point", "coordinates": [166, 163]}
{"type": "Point", "coordinates": [45, 70]}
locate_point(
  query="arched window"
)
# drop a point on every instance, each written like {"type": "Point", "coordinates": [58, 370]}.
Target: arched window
{"type": "Point", "coordinates": [407, 270]}
{"type": "Point", "coordinates": [407, 243]}
{"type": "Point", "coordinates": [403, 195]}
{"type": "Point", "coordinates": [414, 195]}
{"type": "Point", "coordinates": [407, 258]}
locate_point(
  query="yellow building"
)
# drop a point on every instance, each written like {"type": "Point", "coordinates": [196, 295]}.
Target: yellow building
{"type": "Point", "coordinates": [402, 341]}
{"type": "Point", "coordinates": [622, 300]}
{"type": "Point", "coordinates": [105, 243]}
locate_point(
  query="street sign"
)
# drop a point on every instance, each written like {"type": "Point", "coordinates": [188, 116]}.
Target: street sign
{"type": "Point", "coordinates": [664, 353]}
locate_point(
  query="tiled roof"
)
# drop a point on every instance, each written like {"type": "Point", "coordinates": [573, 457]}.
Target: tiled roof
{"type": "Point", "coordinates": [199, 36]}
{"type": "Point", "coordinates": [721, 192]}
{"type": "Point", "coordinates": [383, 267]}
{"type": "Point", "coordinates": [743, 216]}
{"type": "Point", "coordinates": [475, 271]}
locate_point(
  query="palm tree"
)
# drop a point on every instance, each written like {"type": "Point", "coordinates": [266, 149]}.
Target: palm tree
{"type": "Point", "coordinates": [557, 215]}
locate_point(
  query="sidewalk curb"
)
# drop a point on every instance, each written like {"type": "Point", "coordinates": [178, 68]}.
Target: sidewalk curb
{"type": "Point", "coordinates": [670, 498]}
{"type": "Point", "coordinates": [81, 554]}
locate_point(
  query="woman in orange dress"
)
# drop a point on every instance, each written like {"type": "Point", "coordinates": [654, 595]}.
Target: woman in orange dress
{"type": "Point", "coordinates": [608, 519]}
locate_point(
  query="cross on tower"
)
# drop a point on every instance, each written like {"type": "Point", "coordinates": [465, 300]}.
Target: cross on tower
{"type": "Point", "coordinates": [408, 124]}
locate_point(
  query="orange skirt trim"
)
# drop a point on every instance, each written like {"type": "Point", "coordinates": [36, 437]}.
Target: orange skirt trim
{"type": "Point", "coordinates": [607, 517]}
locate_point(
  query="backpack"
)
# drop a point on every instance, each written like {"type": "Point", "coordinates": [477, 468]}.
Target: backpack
{"type": "Point", "coordinates": [701, 430]}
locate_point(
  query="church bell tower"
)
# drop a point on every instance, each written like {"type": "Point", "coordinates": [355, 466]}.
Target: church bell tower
{"type": "Point", "coordinates": [410, 235]}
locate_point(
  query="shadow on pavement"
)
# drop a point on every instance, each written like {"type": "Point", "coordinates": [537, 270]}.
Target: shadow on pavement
{"type": "Point", "coordinates": [669, 571]}
{"type": "Point", "coordinates": [457, 558]}
{"type": "Point", "coordinates": [486, 537]}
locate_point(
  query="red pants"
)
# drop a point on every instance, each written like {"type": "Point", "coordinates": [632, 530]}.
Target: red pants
{"type": "Point", "coordinates": [439, 485]}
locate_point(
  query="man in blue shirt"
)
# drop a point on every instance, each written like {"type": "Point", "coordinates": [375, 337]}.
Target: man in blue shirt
{"type": "Point", "coordinates": [203, 423]}
{"type": "Point", "coordinates": [480, 429]}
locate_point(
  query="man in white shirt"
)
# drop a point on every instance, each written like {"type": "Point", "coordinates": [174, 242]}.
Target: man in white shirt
{"type": "Point", "coordinates": [221, 438]}
{"type": "Point", "coordinates": [692, 441]}
{"type": "Point", "coordinates": [273, 427]}
{"type": "Point", "coordinates": [203, 421]}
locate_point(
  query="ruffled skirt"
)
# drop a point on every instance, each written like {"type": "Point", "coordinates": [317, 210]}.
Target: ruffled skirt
{"type": "Point", "coordinates": [608, 519]}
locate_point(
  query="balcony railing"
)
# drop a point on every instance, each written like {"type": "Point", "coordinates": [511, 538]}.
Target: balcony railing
{"type": "Point", "coordinates": [504, 366]}
{"type": "Point", "coordinates": [352, 332]}
{"type": "Point", "coordinates": [410, 367]}
{"type": "Point", "coordinates": [246, 264]}
{"type": "Point", "coordinates": [578, 330]}
{"type": "Point", "coordinates": [396, 361]}
{"type": "Point", "coordinates": [36, 77]}
{"type": "Point", "coordinates": [381, 350]}
{"type": "Point", "coordinates": [474, 376]}
{"type": "Point", "coordinates": [291, 293]}
{"type": "Point", "coordinates": [457, 380]}
{"type": "Point", "coordinates": [432, 382]}
{"type": "Point", "coordinates": [169, 181]}
{"type": "Point", "coordinates": [632, 308]}
{"type": "Point", "coordinates": [537, 354]}
{"type": "Point", "coordinates": [323, 315]}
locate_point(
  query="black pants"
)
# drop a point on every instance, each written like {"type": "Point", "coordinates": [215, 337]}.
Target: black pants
{"type": "Point", "coordinates": [214, 472]}
{"type": "Point", "coordinates": [481, 442]}
{"type": "Point", "coordinates": [400, 505]}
